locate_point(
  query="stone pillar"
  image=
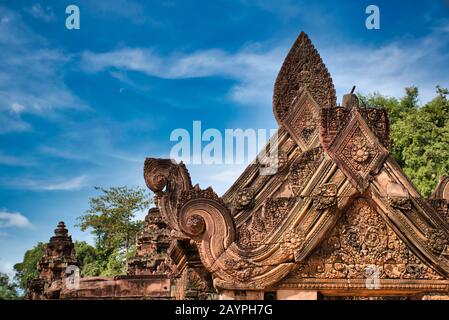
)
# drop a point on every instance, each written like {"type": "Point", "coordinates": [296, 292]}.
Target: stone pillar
{"type": "Point", "coordinates": [241, 295]}
{"type": "Point", "coordinates": [292, 294]}
{"type": "Point", "coordinates": [193, 281]}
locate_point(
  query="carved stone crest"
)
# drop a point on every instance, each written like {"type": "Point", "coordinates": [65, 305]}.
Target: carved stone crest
{"type": "Point", "coordinates": [359, 152]}
{"type": "Point", "coordinates": [302, 67]}
{"type": "Point", "coordinates": [356, 150]}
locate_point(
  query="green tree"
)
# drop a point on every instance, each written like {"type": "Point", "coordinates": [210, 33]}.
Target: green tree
{"type": "Point", "coordinates": [410, 101]}
{"type": "Point", "coordinates": [27, 269]}
{"type": "Point", "coordinates": [8, 289]}
{"type": "Point", "coordinates": [419, 134]}
{"type": "Point", "coordinates": [87, 258]}
{"type": "Point", "coordinates": [111, 219]}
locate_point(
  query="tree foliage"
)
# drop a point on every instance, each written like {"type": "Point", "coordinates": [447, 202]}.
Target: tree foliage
{"type": "Point", "coordinates": [111, 218]}
{"type": "Point", "coordinates": [420, 135]}
{"type": "Point", "coordinates": [8, 289]}
{"type": "Point", "coordinates": [87, 257]}
{"type": "Point", "coordinates": [27, 269]}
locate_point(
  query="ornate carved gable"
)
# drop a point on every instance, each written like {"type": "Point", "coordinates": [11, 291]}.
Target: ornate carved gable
{"type": "Point", "coordinates": [361, 244]}
{"type": "Point", "coordinates": [302, 121]}
{"type": "Point", "coordinates": [266, 225]}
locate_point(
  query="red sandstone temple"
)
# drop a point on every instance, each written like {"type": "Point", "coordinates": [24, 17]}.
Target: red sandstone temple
{"type": "Point", "coordinates": [337, 219]}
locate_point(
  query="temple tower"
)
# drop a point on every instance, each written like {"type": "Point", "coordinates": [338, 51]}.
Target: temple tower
{"type": "Point", "coordinates": [152, 245]}
{"type": "Point", "coordinates": [58, 256]}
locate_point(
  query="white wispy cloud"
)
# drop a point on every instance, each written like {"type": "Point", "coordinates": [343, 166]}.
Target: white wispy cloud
{"type": "Point", "coordinates": [37, 11]}
{"type": "Point", "coordinates": [388, 68]}
{"type": "Point", "coordinates": [13, 219]}
{"type": "Point", "coordinates": [62, 153]}
{"type": "Point", "coordinates": [31, 79]}
{"type": "Point", "coordinates": [11, 160]}
{"type": "Point", "coordinates": [254, 70]}
{"type": "Point", "coordinates": [129, 9]}
{"type": "Point", "coordinates": [66, 185]}
{"type": "Point", "coordinates": [75, 183]}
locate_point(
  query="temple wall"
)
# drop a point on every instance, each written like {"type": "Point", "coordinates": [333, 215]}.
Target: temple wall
{"type": "Point", "coordinates": [151, 287]}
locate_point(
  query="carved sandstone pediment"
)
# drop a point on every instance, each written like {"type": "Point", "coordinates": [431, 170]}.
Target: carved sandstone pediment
{"type": "Point", "coordinates": [360, 244]}
{"type": "Point", "coordinates": [308, 217]}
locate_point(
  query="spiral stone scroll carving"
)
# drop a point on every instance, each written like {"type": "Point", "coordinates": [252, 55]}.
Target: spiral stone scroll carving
{"type": "Point", "coordinates": [210, 225]}
{"type": "Point", "coordinates": [195, 213]}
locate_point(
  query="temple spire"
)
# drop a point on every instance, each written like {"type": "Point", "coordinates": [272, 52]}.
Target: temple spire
{"type": "Point", "coordinates": [59, 254]}
{"type": "Point", "coordinates": [302, 69]}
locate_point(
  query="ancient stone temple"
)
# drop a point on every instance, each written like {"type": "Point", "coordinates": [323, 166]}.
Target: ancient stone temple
{"type": "Point", "coordinates": [329, 215]}
{"type": "Point", "coordinates": [58, 256]}
{"type": "Point", "coordinates": [152, 245]}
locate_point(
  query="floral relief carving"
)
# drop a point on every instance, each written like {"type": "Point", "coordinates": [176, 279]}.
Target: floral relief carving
{"type": "Point", "coordinates": [302, 169]}
{"type": "Point", "coordinates": [402, 203]}
{"type": "Point", "coordinates": [264, 221]}
{"type": "Point", "coordinates": [292, 241]}
{"type": "Point", "coordinates": [198, 285]}
{"type": "Point", "coordinates": [243, 199]}
{"type": "Point", "coordinates": [275, 163]}
{"type": "Point", "coordinates": [332, 121]}
{"type": "Point", "coordinates": [377, 120]}
{"type": "Point", "coordinates": [359, 152]}
{"type": "Point", "coordinates": [325, 196]}
{"type": "Point", "coordinates": [308, 124]}
{"type": "Point", "coordinates": [302, 124]}
{"type": "Point", "coordinates": [438, 240]}
{"type": "Point", "coordinates": [243, 270]}
{"type": "Point", "coordinates": [360, 241]}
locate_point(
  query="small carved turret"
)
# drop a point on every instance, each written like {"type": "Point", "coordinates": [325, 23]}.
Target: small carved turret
{"type": "Point", "coordinates": [59, 254]}
{"type": "Point", "coordinates": [152, 245]}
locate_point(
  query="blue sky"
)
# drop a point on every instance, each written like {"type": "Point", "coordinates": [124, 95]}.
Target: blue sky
{"type": "Point", "coordinates": [83, 108]}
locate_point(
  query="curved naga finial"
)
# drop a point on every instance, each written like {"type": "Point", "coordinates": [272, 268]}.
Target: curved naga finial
{"type": "Point", "coordinates": [192, 212]}
{"type": "Point", "coordinates": [167, 180]}
{"type": "Point", "coordinates": [302, 69]}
